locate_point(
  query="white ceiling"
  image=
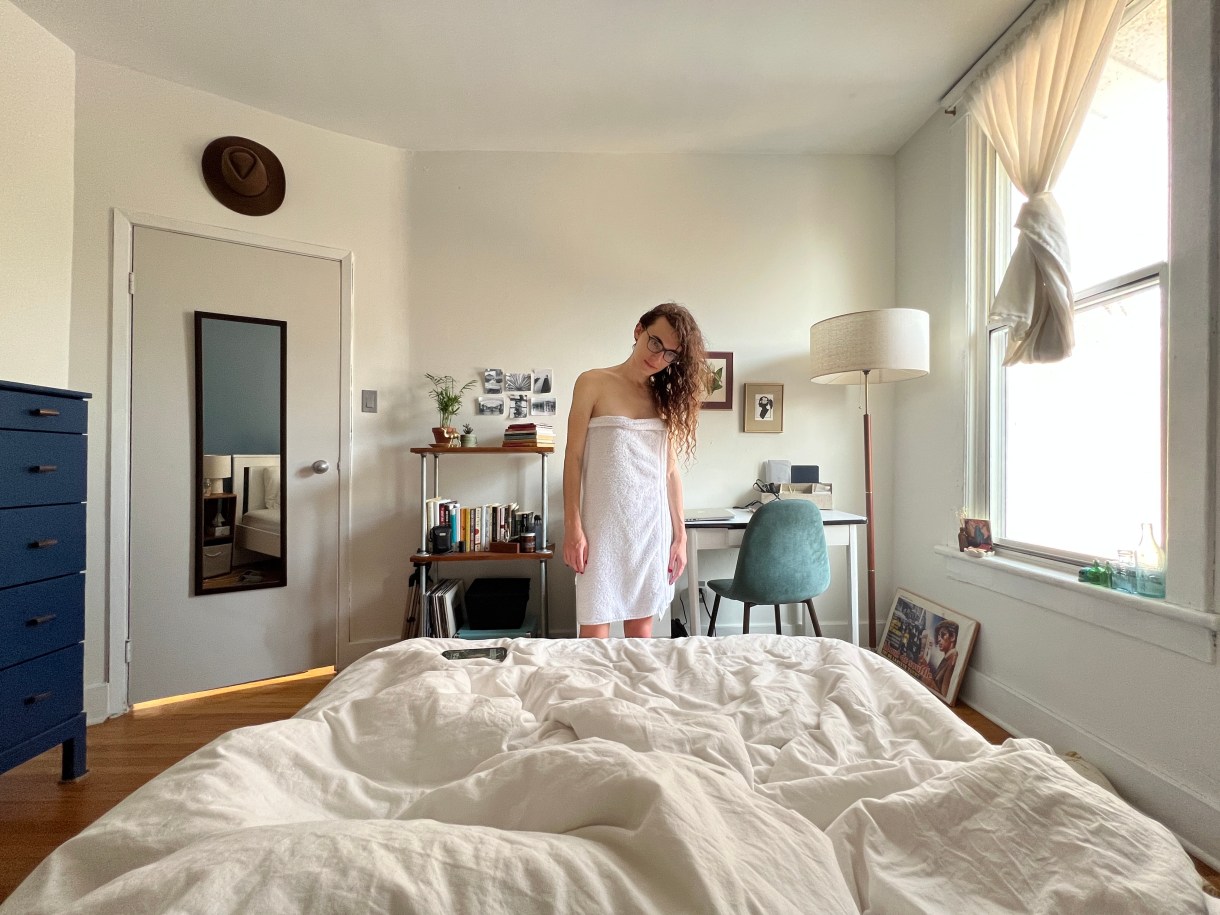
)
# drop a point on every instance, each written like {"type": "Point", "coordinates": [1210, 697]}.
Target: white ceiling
{"type": "Point", "coordinates": [775, 76]}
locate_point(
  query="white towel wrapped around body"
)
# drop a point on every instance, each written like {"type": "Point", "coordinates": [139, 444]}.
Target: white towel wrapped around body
{"type": "Point", "coordinates": [625, 514]}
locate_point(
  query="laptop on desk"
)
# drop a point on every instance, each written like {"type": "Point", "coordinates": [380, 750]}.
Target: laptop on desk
{"type": "Point", "coordinates": [708, 514]}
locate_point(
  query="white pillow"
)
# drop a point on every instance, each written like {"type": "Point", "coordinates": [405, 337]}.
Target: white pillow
{"type": "Point", "coordinates": [271, 487]}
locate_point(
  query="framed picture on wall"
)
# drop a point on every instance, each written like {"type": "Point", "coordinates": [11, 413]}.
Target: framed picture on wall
{"type": "Point", "coordinates": [930, 642]}
{"type": "Point", "coordinates": [762, 407]}
{"type": "Point", "coordinates": [719, 382]}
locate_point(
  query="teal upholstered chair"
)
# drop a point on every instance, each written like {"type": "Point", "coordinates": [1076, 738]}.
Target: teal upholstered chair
{"type": "Point", "coordinates": [782, 561]}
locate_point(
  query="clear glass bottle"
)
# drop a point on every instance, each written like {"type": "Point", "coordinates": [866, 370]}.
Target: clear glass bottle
{"type": "Point", "coordinates": [1150, 564]}
{"type": "Point", "coordinates": [1122, 572]}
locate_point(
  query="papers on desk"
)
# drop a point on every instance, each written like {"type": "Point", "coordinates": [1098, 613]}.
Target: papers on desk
{"type": "Point", "coordinates": [708, 514]}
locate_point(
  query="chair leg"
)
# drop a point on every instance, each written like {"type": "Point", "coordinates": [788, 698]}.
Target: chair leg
{"type": "Point", "coordinates": [817, 630]}
{"type": "Point", "coordinates": [711, 626]}
{"type": "Point", "coordinates": [778, 628]}
{"type": "Point", "coordinates": [745, 620]}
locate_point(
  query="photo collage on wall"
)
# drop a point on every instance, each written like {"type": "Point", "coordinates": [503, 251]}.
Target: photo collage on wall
{"type": "Point", "coordinates": [515, 396]}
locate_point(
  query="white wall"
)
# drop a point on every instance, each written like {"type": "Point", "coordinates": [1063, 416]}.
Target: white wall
{"type": "Point", "coordinates": [528, 261]}
{"type": "Point", "coordinates": [138, 145]}
{"type": "Point", "coordinates": [37, 75]}
{"type": "Point", "coordinates": [1145, 715]}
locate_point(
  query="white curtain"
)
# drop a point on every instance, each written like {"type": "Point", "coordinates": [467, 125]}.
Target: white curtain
{"type": "Point", "coordinates": [1031, 103]}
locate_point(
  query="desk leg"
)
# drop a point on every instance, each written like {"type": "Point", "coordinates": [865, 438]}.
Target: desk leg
{"type": "Point", "coordinates": [853, 574]}
{"type": "Point", "coordinates": [692, 581]}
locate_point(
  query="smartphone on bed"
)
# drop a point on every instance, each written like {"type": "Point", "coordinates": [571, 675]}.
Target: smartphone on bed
{"type": "Point", "coordinates": [463, 654]}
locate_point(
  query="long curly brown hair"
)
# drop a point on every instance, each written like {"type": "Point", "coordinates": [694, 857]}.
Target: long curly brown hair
{"type": "Point", "coordinates": [679, 389]}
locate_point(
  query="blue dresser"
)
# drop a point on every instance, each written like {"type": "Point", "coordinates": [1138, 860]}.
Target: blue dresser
{"type": "Point", "coordinates": [42, 582]}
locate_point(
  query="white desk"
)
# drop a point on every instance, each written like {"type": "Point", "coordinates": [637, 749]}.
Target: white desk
{"type": "Point", "coordinates": [726, 535]}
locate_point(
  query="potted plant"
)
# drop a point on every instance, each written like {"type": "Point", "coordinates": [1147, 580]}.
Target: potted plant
{"type": "Point", "coordinates": [448, 399]}
{"type": "Point", "coordinates": [468, 437]}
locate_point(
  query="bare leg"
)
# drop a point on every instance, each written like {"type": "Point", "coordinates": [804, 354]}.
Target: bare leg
{"type": "Point", "coordinates": [638, 629]}
{"type": "Point", "coordinates": [598, 631]}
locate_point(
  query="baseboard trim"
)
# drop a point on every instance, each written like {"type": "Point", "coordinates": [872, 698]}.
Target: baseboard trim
{"type": "Point", "coordinates": [1193, 818]}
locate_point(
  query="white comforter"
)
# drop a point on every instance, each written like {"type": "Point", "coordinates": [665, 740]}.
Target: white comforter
{"type": "Point", "coordinates": [743, 774]}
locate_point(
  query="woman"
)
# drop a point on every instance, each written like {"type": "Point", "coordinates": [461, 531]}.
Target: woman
{"type": "Point", "coordinates": [622, 495]}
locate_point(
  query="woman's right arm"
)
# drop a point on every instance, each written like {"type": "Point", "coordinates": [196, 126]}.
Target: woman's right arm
{"type": "Point", "coordinates": [575, 546]}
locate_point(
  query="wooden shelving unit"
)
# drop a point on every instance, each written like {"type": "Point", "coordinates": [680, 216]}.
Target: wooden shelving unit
{"type": "Point", "coordinates": [423, 559]}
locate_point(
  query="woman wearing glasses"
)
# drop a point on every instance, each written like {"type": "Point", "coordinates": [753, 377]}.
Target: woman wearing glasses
{"type": "Point", "coordinates": [622, 495]}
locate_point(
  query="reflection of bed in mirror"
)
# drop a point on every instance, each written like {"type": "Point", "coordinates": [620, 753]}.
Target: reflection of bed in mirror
{"type": "Point", "coordinates": [256, 481]}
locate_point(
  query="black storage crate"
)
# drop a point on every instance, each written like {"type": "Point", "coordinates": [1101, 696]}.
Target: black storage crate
{"type": "Point", "coordinates": [496, 603]}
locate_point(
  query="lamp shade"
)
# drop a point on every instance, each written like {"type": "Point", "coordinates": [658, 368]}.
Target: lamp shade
{"type": "Point", "coordinates": [217, 466]}
{"type": "Point", "coordinates": [891, 344]}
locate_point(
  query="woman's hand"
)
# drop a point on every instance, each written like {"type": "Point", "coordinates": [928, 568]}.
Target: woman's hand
{"type": "Point", "coordinates": [575, 549]}
{"type": "Point", "coordinates": [677, 560]}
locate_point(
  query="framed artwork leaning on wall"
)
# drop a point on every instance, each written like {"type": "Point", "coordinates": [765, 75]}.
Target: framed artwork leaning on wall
{"type": "Point", "coordinates": [930, 642]}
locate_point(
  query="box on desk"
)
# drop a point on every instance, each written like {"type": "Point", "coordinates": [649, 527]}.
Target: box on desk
{"type": "Point", "coordinates": [820, 494]}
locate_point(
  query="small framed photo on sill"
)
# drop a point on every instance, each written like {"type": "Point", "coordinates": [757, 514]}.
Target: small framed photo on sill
{"type": "Point", "coordinates": [762, 407]}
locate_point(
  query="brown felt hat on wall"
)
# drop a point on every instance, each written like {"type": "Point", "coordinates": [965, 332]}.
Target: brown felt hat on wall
{"type": "Point", "coordinates": [243, 175]}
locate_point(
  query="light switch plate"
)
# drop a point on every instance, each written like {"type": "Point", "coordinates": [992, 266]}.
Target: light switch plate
{"type": "Point", "coordinates": [368, 401]}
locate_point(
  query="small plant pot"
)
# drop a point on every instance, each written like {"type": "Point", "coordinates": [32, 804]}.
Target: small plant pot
{"type": "Point", "coordinates": [469, 441]}
{"type": "Point", "coordinates": [445, 435]}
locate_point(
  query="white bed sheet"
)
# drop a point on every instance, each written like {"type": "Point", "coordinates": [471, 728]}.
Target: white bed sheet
{"type": "Point", "coordinates": [263, 519]}
{"type": "Point", "coordinates": [743, 774]}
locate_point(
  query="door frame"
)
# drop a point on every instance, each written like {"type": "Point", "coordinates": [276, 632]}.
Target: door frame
{"type": "Point", "coordinates": [118, 547]}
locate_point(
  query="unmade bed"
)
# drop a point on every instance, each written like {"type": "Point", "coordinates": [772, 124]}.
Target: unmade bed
{"type": "Point", "coordinates": [743, 774]}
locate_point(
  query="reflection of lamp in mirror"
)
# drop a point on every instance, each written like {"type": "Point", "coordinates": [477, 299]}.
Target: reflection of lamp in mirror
{"type": "Point", "coordinates": [216, 467]}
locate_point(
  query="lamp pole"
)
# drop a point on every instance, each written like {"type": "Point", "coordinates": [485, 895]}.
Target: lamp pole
{"type": "Point", "coordinates": [868, 514]}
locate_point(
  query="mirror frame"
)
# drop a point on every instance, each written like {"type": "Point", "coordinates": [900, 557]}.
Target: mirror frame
{"type": "Point", "coordinates": [197, 519]}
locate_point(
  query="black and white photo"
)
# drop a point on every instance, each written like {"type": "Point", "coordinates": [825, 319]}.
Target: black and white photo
{"type": "Point", "coordinates": [543, 381]}
{"type": "Point", "coordinates": [518, 381]}
{"type": "Point", "coordinates": [518, 406]}
{"type": "Point", "coordinates": [543, 406]}
{"type": "Point", "coordinates": [491, 406]}
{"type": "Point", "coordinates": [493, 381]}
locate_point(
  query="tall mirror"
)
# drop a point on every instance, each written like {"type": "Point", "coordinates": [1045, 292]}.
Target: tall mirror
{"type": "Point", "coordinates": [240, 381]}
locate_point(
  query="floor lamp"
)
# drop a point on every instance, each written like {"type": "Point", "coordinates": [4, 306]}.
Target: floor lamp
{"type": "Point", "coordinates": [888, 344]}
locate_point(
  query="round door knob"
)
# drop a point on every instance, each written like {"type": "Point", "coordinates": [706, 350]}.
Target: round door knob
{"type": "Point", "coordinates": [320, 466]}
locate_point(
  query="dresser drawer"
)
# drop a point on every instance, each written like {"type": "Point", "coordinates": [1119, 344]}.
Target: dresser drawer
{"type": "Point", "coordinates": [38, 543]}
{"type": "Point", "coordinates": [40, 618]}
{"type": "Point", "coordinates": [39, 468]}
{"type": "Point", "coordinates": [42, 412]}
{"type": "Point", "coordinates": [40, 694]}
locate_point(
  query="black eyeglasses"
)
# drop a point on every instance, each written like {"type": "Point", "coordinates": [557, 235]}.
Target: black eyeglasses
{"type": "Point", "coordinates": [655, 344]}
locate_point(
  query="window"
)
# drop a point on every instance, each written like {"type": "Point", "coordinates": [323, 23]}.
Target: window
{"type": "Point", "coordinates": [1071, 457]}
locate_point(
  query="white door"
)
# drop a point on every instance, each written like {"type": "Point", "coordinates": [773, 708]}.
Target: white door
{"type": "Point", "coordinates": [181, 642]}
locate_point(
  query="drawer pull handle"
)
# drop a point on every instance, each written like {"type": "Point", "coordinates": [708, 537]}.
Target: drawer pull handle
{"type": "Point", "coordinates": [44, 411]}
{"type": "Point", "coordinates": [40, 620]}
{"type": "Point", "coordinates": [43, 468]}
{"type": "Point", "coordinates": [43, 544]}
{"type": "Point", "coordinates": [212, 555]}
{"type": "Point", "coordinates": [37, 697]}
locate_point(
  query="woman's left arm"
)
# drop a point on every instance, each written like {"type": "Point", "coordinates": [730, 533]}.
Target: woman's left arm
{"type": "Point", "coordinates": [677, 548]}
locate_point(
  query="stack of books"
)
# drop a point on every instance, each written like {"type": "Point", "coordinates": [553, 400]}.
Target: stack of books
{"type": "Point", "coordinates": [472, 529]}
{"type": "Point", "coordinates": [529, 435]}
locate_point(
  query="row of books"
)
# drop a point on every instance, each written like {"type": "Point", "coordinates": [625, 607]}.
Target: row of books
{"type": "Point", "coordinates": [472, 529]}
{"type": "Point", "coordinates": [529, 435]}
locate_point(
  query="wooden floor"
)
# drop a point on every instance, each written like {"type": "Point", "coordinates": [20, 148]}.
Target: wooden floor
{"type": "Point", "coordinates": [37, 813]}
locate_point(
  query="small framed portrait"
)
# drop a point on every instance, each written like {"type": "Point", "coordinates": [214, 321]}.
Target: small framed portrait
{"type": "Point", "coordinates": [719, 382]}
{"type": "Point", "coordinates": [491, 406]}
{"type": "Point", "coordinates": [493, 381]}
{"type": "Point", "coordinates": [518, 381]}
{"type": "Point", "coordinates": [762, 407]}
{"type": "Point", "coordinates": [544, 381]}
{"type": "Point", "coordinates": [977, 533]}
{"type": "Point", "coordinates": [930, 642]}
{"type": "Point", "coordinates": [518, 406]}
{"type": "Point", "coordinates": [542, 406]}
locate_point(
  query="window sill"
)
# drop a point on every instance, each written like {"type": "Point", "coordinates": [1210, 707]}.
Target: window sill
{"type": "Point", "coordinates": [1179, 629]}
